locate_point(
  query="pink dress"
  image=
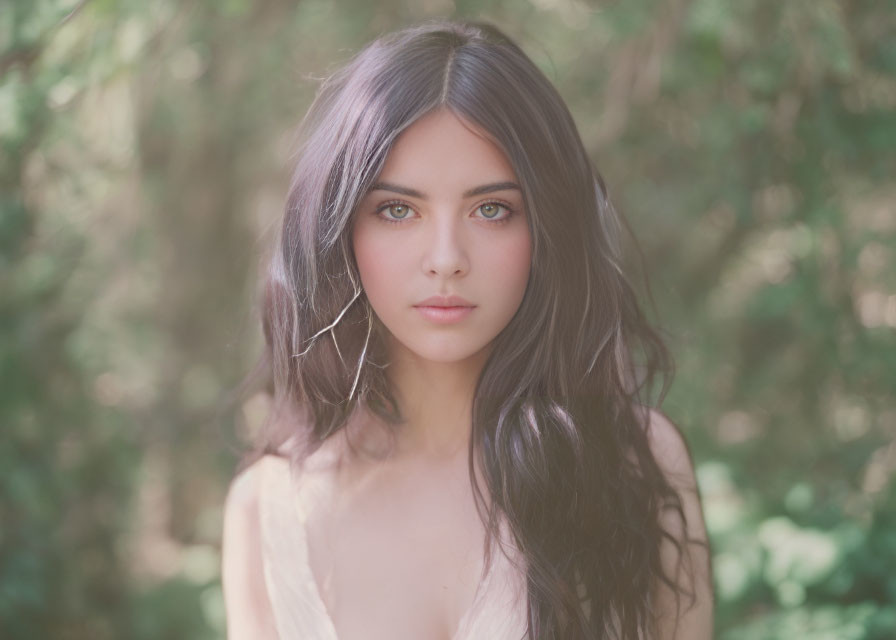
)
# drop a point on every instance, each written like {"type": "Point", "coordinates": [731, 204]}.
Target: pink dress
{"type": "Point", "coordinates": [498, 611]}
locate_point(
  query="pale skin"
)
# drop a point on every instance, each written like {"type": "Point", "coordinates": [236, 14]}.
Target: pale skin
{"type": "Point", "coordinates": [445, 217]}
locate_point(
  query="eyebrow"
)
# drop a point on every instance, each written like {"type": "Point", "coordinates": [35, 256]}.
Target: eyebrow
{"type": "Point", "coordinates": [475, 191]}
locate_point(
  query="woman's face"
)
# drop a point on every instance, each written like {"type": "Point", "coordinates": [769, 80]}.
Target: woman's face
{"type": "Point", "coordinates": [445, 218]}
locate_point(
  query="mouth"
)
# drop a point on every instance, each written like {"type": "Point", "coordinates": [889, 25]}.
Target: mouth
{"type": "Point", "coordinates": [443, 306]}
{"type": "Point", "coordinates": [444, 314]}
{"type": "Point", "coordinates": [445, 302]}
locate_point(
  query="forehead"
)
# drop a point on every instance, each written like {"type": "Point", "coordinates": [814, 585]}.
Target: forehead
{"type": "Point", "coordinates": [442, 149]}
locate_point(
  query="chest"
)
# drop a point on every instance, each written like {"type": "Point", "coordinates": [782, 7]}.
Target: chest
{"type": "Point", "coordinates": [397, 555]}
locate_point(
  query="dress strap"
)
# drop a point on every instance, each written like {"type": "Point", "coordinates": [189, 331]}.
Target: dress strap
{"type": "Point", "coordinates": [501, 611]}
{"type": "Point", "coordinates": [299, 613]}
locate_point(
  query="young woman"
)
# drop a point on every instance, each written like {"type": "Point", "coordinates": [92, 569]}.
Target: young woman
{"type": "Point", "coordinates": [459, 446]}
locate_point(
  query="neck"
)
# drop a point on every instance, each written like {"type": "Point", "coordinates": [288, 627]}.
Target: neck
{"type": "Point", "coordinates": [436, 399]}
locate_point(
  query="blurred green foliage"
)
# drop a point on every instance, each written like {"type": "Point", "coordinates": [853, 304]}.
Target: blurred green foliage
{"type": "Point", "coordinates": [144, 155]}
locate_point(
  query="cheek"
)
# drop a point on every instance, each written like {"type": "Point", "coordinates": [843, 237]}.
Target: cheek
{"type": "Point", "coordinates": [377, 264]}
{"type": "Point", "coordinates": [510, 263]}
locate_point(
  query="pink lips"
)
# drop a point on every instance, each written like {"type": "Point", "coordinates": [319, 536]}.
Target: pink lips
{"type": "Point", "coordinates": [445, 309]}
{"type": "Point", "coordinates": [445, 301]}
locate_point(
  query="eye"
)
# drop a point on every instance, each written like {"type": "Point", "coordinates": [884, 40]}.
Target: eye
{"type": "Point", "coordinates": [492, 210]}
{"type": "Point", "coordinates": [397, 211]}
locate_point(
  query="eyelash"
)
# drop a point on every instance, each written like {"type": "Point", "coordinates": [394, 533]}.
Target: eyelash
{"type": "Point", "coordinates": [392, 203]}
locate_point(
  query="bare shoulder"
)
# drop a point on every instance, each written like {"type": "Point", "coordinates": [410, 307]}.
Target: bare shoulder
{"type": "Point", "coordinates": [670, 449]}
{"type": "Point", "coordinates": [248, 608]}
{"type": "Point", "coordinates": [243, 495]}
{"type": "Point", "coordinates": [685, 554]}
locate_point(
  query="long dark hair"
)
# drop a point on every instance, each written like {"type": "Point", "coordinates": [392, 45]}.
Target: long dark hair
{"type": "Point", "coordinates": [559, 418]}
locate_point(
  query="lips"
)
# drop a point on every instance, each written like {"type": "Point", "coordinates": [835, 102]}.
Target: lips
{"type": "Point", "coordinates": [445, 301]}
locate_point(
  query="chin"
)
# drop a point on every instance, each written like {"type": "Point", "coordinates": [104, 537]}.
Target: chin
{"type": "Point", "coordinates": [445, 355]}
{"type": "Point", "coordinates": [444, 351]}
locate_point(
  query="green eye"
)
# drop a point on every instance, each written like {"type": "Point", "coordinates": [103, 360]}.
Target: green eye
{"type": "Point", "coordinates": [490, 210]}
{"type": "Point", "coordinates": [398, 210]}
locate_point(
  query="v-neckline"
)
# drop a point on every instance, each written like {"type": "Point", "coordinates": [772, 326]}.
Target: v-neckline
{"type": "Point", "coordinates": [316, 594]}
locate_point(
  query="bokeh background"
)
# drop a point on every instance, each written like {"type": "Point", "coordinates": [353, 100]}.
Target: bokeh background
{"type": "Point", "coordinates": [145, 149]}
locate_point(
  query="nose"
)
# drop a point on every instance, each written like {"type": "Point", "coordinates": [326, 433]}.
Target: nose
{"type": "Point", "coordinates": [445, 252]}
